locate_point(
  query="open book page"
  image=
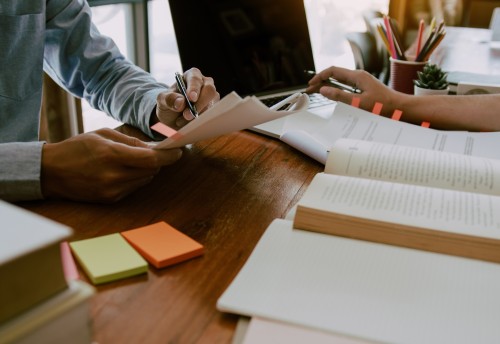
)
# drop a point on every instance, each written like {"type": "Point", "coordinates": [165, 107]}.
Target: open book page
{"type": "Point", "coordinates": [350, 122]}
{"type": "Point", "coordinates": [376, 292]}
{"type": "Point", "coordinates": [402, 164]}
{"type": "Point", "coordinates": [230, 114]}
{"type": "Point", "coordinates": [450, 211]}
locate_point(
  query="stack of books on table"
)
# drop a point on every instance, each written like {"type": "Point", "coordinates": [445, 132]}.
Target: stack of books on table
{"type": "Point", "coordinates": [38, 303]}
{"type": "Point", "coordinates": [390, 244]}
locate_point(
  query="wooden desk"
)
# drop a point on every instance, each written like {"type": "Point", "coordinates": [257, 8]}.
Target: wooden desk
{"type": "Point", "coordinates": [223, 193]}
{"type": "Point", "coordinates": [467, 50]}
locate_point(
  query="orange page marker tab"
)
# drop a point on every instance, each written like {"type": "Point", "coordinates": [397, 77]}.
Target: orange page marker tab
{"type": "Point", "coordinates": [426, 124]}
{"type": "Point", "coordinates": [396, 115]}
{"type": "Point", "coordinates": [69, 265]}
{"type": "Point", "coordinates": [377, 108]}
{"type": "Point", "coordinates": [164, 129]}
{"type": "Point", "coordinates": [162, 245]}
{"type": "Point", "coordinates": [356, 101]}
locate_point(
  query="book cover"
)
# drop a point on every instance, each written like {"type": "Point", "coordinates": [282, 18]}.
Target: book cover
{"type": "Point", "coordinates": [30, 259]}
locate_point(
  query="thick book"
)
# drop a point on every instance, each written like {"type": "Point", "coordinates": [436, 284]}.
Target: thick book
{"type": "Point", "coordinates": [31, 269]}
{"type": "Point", "coordinates": [406, 196]}
{"type": "Point", "coordinates": [314, 135]}
{"type": "Point", "coordinates": [63, 318]}
{"type": "Point", "coordinates": [366, 291]}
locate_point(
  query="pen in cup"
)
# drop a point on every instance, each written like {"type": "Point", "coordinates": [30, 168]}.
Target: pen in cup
{"type": "Point", "coordinates": [182, 87]}
{"type": "Point", "coordinates": [335, 83]}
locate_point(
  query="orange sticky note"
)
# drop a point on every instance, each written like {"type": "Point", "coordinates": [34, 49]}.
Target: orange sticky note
{"type": "Point", "coordinates": [396, 115]}
{"type": "Point", "coordinates": [162, 245]}
{"type": "Point", "coordinates": [356, 101]}
{"type": "Point", "coordinates": [426, 124]}
{"type": "Point", "coordinates": [377, 108]}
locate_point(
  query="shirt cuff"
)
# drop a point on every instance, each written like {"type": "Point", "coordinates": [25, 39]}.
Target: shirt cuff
{"type": "Point", "coordinates": [20, 169]}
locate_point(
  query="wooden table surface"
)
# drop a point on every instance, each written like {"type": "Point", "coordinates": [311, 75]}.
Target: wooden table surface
{"type": "Point", "coordinates": [223, 193]}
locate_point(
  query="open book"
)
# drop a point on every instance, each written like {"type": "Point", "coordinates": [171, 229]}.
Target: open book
{"type": "Point", "coordinates": [313, 134]}
{"type": "Point", "coordinates": [231, 113]}
{"type": "Point", "coordinates": [412, 197]}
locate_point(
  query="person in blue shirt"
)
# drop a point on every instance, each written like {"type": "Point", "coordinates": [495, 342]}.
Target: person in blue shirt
{"type": "Point", "coordinates": [58, 37]}
{"type": "Point", "coordinates": [465, 112]}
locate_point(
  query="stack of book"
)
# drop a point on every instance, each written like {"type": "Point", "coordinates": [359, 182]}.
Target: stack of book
{"type": "Point", "coordinates": [37, 302]}
{"type": "Point", "coordinates": [389, 245]}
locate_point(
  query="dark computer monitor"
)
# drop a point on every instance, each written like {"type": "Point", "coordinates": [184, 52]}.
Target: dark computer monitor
{"type": "Point", "coordinates": [248, 46]}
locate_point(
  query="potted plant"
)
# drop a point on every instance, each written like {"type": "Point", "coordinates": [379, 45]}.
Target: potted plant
{"type": "Point", "coordinates": [431, 80]}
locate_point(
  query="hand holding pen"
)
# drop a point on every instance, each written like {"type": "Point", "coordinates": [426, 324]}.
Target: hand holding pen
{"type": "Point", "coordinates": [329, 81]}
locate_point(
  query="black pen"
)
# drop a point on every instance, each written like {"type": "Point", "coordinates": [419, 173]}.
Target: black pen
{"type": "Point", "coordinates": [335, 83]}
{"type": "Point", "coordinates": [182, 87]}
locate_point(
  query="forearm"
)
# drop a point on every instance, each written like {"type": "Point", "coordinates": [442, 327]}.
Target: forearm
{"type": "Point", "coordinates": [20, 165]}
{"type": "Point", "coordinates": [89, 65]}
{"type": "Point", "coordinates": [474, 113]}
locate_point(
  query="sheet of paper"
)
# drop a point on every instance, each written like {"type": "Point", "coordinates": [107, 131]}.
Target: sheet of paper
{"type": "Point", "coordinates": [365, 290]}
{"type": "Point", "coordinates": [162, 245]}
{"type": "Point", "coordinates": [108, 258]}
{"type": "Point", "coordinates": [351, 122]}
{"type": "Point", "coordinates": [265, 331]}
{"type": "Point", "coordinates": [230, 114]}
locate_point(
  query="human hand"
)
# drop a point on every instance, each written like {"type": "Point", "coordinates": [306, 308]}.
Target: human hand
{"type": "Point", "coordinates": [171, 106]}
{"type": "Point", "coordinates": [101, 166]}
{"type": "Point", "coordinates": [372, 89]}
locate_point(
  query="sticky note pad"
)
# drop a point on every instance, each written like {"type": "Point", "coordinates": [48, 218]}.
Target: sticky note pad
{"type": "Point", "coordinates": [162, 245]}
{"type": "Point", "coordinates": [108, 258]}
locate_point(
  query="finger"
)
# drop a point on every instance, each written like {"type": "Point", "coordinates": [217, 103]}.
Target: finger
{"type": "Point", "coordinates": [130, 151]}
{"type": "Point", "coordinates": [194, 83]}
{"type": "Point", "coordinates": [209, 95]}
{"type": "Point", "coordinates": [170, 101]}
{"type": "Point", "coordinates": [148, 158]}
{"type": "Point", "coordinates": [336, 94]}
{"type": "Point", "coordinates": [344, 75]}
{"type": "Point", "coordinates": [118, 137]}
{"type": "Point", "coordinates": [168, 106]}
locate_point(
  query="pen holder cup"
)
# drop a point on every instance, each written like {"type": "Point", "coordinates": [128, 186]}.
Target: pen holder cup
{"type": "Point", "coordinates": [403, 73]}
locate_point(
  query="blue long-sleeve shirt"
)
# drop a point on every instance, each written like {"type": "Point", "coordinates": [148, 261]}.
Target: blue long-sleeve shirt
{"type": "Point", "coordinates": [58, 37]}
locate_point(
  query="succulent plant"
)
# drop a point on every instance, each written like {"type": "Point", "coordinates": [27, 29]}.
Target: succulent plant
{"type": "Point", "coordinates": [432, 77]}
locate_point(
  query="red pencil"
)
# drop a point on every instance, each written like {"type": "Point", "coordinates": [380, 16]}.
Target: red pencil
{"type": "Point", "coordinates": [419, 37]}
{"type": "Point", "coordinates": [389, 37]}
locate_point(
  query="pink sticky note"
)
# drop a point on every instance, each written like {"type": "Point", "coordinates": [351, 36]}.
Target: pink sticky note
{"type": "Point", "coordinates": [164, 129]}
{"type": "Point", "coordinates": [69, 266]}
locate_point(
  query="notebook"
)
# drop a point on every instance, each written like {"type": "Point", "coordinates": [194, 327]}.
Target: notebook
{"type": "Point", "coordinates": [253, 47]}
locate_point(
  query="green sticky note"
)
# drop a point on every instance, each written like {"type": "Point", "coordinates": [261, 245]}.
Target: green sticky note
{"type": "Point", "coordinates": [108, 258]}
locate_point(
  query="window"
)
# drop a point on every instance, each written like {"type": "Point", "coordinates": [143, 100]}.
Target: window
{"type": "Point", "coordinates": [328, 20]}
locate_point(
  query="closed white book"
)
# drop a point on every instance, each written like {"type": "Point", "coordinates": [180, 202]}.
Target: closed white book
{"type": "Point", "coordinates": [62, 319]}
{"type": "Point", "coordinates": [30, 259]}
